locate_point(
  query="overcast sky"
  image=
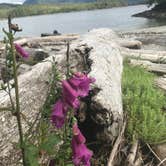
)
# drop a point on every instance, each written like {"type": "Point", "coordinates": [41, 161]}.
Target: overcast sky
{"type": "Point", "coordinates": [11, 1]}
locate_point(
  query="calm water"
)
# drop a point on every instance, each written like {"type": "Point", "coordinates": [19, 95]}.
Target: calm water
{"type": "Point", "coordinates": [79, 22]}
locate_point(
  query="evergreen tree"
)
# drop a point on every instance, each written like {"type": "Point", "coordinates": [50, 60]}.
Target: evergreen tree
{"type": "Point", "coordinates": [157, 2]}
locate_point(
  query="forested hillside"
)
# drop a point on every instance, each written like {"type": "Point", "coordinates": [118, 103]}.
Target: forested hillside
{"type": "Point", "coordinates": [37, 7]}
{"type": "Point", "coordinates": [56, 1]}
{"type": "Point", "coordinates": [82, 1]}
{"type": "Point", "coordinates": [134, 2]}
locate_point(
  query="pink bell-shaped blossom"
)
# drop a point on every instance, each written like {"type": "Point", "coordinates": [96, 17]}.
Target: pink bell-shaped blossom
{"type": "Point", "coordinates": [81, 154]}
{"type": "Point", "coordinates": [21, 51]}
{"type": "Point", "coordinates": [70, 96]}
{"type": "Point", "coordinates": [58, 115]}
{"type": "Point", "coordinates": [81, 83]}
{"type": "Point", "coordinates": [78, 135]}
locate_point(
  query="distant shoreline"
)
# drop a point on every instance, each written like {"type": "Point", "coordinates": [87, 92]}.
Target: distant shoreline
{"type": "Point", "coordinates": [43, 9]}
{"type": "Point", "coordinates": [153, 13]}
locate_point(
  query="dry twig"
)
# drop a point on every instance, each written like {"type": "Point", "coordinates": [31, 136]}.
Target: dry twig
{"type": "Point", "coordinates": [116, 145]}
{"type": "Point", "coordinates": [153, 152]}
{"type": "Point", "coordinates": [133, 153]}
{"type": "Point", "coordinates": [161, 162]}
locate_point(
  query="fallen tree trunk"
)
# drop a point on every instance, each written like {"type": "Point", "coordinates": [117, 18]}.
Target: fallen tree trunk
{"type": "Point", "coordinates": [131, 44]}
{"type": "Point", "coordinates": [150, 55]}
{"type": "Point", "coordinates": [31, 40]}
{"type": "Point", "coordinates": [31, 102]}
{"type": "Point", "coordinates": [153, 67]}
{"type": "Point", "coordinates": [106, 68]}
{"type": "Point", "coordinates": [103, 62]}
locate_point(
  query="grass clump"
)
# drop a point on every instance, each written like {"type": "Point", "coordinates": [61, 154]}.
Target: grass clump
{"type": "Point", "coordinates": [144, 104]}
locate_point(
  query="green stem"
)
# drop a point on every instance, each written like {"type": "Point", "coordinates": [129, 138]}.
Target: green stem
{"type": "Point", "coordinates": [8, 85]}
{"type": "Point", "coordinates": [67, 60]}
{"type": "Point", "coordinates": [67, 76]}
{"type": "Point", "coordinates": [17, 113]}
{"type": "Point", "coordinates": [5, 109]}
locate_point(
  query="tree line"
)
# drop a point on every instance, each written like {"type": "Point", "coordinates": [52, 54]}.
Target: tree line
{"type": "Point", "coordinates": [158, 3]}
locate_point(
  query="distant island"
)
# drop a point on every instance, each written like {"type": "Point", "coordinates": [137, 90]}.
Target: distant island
{"type": "Point", "coordinates": [39, 7]}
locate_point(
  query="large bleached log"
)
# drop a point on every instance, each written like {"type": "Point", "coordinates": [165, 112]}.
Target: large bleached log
{"type": "Point", "coordinates": [67, 37]}
{"type": "Point", "coordinates": [29, 40]}
{"type": "Point", "coordinates": [132, 44]}
{"type": "Point", "coordinates": [33, 91]}
{"type": "Point", "coordinates": [106, 68]}
{"type": "Point", "coordinates": [153, 67]}
{"type": "Point", "coordinates": [95, 52]}
{"type": "Point", "coordinates": [150, 55]}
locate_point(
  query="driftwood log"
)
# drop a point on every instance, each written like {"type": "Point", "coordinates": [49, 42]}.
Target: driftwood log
{"type": "Point", "coordinates": [161, 82]}
{"type": "Point", "coordinates": [153, 38]}
{"type": "Point", "coordinates": [153, 67]}
{"type": "Point", "coordinates": [149, 55]}
{"type": "Point", "coordinates": [106, 68]}
{"type": "Point", "coordinates": [94, 52]}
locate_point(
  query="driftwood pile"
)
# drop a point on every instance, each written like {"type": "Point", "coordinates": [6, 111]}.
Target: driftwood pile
{"type": "Point", "coordinates": [100, 53]}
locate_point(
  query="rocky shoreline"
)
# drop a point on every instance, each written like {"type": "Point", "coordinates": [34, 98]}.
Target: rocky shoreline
{"type": "Point", "coordinates": [152, 14]}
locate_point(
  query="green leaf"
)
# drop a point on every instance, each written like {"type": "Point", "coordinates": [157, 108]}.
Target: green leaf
{"type": "Point", "coordinates": [69, 164]}
{"type": "Point", "coordinates": [32, 154]}
{"type": "Point", "coordinates": [50, 143]}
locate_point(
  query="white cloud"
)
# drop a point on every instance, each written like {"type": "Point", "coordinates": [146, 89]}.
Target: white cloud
{"type": "Point", "coordinates": [12, 1]}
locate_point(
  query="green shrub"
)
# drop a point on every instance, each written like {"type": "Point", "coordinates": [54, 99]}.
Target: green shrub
{"type": "Point", "coordinates": [144, 104]}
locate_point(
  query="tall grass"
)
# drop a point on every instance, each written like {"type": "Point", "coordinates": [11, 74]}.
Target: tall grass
{"type": "Point", "coordinates": [144, 104]}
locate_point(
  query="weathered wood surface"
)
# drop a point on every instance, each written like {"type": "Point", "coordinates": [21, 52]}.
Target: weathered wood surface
{"type": "Point", "coordinates": [113, 156]}
{"type": "Point", "coordinates": [37, 40]}
{"type": "Point", "coordinates": [161, 82]}
{"type": "Point", "coordinates": [150, 55]}
{"type": "Point", "coordinates": [106, 69]}
{"type": "Point", "coordinates": [132, 44]}
{"type": "Point", "coordinates": [151, 38]}
{"type": "Point", "coordinates": [104, 62]}
{"type": "Point", "coordinates": [22, 69]}
{"type": "Point", "coordinates": [153, 67]}
{"type": "Point", "coordinates": [160, 150]}
{"type": "Point", "coordinates": [33, 91]}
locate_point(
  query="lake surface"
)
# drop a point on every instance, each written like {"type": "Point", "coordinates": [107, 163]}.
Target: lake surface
{"type": "Point", "coordinates": [119, 18]}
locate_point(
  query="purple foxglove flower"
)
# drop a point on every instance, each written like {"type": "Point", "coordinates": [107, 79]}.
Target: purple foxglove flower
{"type": "Point", "coordinates": [78, 135]}
{"type": "Point", "coordinates": [58, 115]}
{"type": "Point", "coordinates": [70, 95]}
{"type": "Point", "coordinates": [81, 82]}
{"type": "Point", "coordinates": [81, 154]}
{"type": "Point", "coordinates": [21, 51]}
